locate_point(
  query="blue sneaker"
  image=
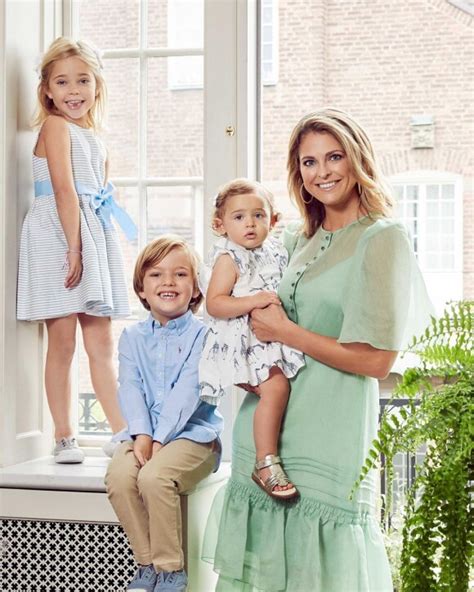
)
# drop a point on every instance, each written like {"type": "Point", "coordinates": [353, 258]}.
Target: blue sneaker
{"type": "Point", "coordinates": [172, 581]}
{"type": "Point", "coordinates": [144, 579]}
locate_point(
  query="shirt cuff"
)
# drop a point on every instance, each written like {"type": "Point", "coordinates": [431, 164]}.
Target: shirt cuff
{"type": "Point", "coordinates": [162, 434]}
{"type": "Point", "coordinates": [139, 426]}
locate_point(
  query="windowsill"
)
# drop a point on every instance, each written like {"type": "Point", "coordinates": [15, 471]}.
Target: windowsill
{"type": "Point", "coordinates": [44, 473]}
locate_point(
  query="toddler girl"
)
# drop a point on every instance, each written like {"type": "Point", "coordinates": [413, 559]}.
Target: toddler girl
{"type": "Point", "coordinates": [247, 266]}
{"type": "Point", "coordinates": [70, 261]}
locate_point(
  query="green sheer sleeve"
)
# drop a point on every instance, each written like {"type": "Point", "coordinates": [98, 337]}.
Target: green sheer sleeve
{"type": "Point", "coordinates": [386, 303]}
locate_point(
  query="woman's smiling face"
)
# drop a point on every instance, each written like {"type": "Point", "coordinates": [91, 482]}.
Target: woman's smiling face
{"type": "Point", "coordinates": [326, 171]}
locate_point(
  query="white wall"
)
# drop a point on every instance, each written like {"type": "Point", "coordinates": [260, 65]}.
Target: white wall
{"type": "Point", "coordinates": [26, 26]}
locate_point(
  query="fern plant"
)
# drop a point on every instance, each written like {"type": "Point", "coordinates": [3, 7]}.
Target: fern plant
{"type": "Point", "coordinates": [438, 537]}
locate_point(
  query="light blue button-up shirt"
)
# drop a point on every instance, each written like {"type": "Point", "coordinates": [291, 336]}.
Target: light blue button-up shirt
{"type": "Point", "coordinates": [159, 382]}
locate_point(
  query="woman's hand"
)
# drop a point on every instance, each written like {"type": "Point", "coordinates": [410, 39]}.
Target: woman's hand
{"type": "Point", "coordinates": [269, 323]}
{"type": "Point", "coordinates": [143, 448]}
{"type": "Point", "coordinates": [74, 266]}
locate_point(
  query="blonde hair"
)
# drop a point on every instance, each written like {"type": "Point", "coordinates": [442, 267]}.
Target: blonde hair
{"type": "Point", "coordinates": [241, 187]}
{"type": "Point", "coordinates": [60, 49]}
{"type": "Point", "coordinates": [155, 252]}
{"type": "Point", "coordinates": [374, 194]}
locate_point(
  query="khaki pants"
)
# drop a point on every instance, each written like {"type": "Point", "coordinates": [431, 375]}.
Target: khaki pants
{"type": "Point", "coordinates": [146, 499]}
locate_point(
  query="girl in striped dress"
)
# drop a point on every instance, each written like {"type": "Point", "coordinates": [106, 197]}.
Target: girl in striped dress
{"type": "Point", "coordinates": [71, 267]}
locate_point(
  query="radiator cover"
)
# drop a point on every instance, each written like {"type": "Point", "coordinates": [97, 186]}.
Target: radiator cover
{"type": "Point", "coordinates": [60, 556]}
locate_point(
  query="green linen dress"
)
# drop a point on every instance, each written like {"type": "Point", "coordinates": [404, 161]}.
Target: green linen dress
{"type": "Point", "coordinates": [358, 284]}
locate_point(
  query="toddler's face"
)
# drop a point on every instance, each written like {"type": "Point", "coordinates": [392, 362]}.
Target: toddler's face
{"type": "Point", "coordinates": [246, 220]}
{"type": "Point", "coordinates": [168, 287]}
{"type": "Point", "coordinates": [72, 88]}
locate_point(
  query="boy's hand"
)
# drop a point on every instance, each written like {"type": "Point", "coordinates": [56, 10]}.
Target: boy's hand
{"type": "Point", "coordinates": [264, 299]}
{"type": "Point", "coordinates": [142, 448]}
{"type": "Point", "coordinates": [157, 446]}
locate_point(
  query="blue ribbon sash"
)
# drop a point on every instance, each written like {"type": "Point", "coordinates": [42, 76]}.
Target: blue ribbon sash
{"type": "Point", "coordinates": [103, 202]}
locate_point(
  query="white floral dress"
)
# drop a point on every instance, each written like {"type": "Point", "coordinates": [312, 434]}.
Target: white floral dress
{"type": "Point", "coordinates": [232, 354]}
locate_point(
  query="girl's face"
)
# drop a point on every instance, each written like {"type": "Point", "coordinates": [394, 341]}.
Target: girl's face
{"type": "Point", "coordinates": [326, 171]}
{"type": "Point", "coordinates": [246, 220]}
{"type": "Point", "coordinates": [72, 88]}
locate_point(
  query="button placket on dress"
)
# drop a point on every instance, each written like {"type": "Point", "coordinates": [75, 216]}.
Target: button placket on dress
{"type": "Point", "coordinates": [299, 274]}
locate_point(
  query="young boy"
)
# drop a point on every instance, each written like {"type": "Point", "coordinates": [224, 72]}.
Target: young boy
{"type": "Point", "coordinates": [174, 437]}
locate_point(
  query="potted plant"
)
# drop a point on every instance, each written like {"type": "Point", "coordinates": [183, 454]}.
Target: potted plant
{"type": "Point", "coordinates": [438, 538]}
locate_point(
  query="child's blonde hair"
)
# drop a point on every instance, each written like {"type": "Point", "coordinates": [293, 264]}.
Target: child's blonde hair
{"type": "Point", "coordinates": [60, 49]}
{"type": "Point", "coordinates": [241, 187]}
{"type": "Point", "coordinates": [374, 194]}
{"type": "Point", "coordinates": [155, 252]}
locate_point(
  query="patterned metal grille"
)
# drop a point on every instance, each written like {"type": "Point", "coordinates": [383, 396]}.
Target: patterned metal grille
{"type": "Point", "coordinates": [44, 556]}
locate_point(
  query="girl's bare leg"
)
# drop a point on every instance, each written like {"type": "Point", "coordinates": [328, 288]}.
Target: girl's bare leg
{"type": "Point", "coordinates": [57, 374]}
{"type": "Point", "coordinates": [273, 393]}
{"type": "Point", "coordinates": [98, 343]}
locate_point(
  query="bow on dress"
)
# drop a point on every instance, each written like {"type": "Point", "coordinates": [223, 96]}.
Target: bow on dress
{"type": "Point", "coordinates": [106, 207]}
{"type": "Point", "coordinates": [103, 203]}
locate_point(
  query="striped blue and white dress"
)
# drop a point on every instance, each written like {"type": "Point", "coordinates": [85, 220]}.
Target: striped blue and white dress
{"type": "Point", "coordinates": [102, 290]}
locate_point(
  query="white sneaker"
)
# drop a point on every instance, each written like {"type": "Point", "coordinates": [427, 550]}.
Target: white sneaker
{"type": "Point", "coordinates": [67, 451]}
{"type": "Point", "coordinates": [111, 446]}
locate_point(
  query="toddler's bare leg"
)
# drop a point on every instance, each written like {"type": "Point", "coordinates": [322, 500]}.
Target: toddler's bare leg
{"type": "Point", "coordinates": [268, 416]}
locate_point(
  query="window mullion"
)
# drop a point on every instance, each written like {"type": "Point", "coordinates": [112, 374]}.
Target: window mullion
{"type": "Point", "coordinates": [142, 122]}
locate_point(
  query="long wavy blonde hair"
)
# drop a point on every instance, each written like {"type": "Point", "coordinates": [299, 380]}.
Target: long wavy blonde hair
{"type": "Point", "coordinates": [374, 194]}
{"type": "Point", "coordinates": [62, 48]}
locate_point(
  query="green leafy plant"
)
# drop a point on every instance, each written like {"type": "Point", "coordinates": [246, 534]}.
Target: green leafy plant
{"type": "Point", "coordinates": [438, 537]}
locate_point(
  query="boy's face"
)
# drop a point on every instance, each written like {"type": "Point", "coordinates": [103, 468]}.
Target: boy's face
{"type": "Point", "coordinates": [168, 287]}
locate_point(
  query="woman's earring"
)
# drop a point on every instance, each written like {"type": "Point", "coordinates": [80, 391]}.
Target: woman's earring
{"type": "Point", "coordinates": [359, 189]}
{"type": "Point", "coordinates": [302, 196]}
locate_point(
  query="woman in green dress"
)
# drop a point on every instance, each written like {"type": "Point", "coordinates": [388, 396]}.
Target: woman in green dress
{"type": "Point", "coordinates": [352, 297]}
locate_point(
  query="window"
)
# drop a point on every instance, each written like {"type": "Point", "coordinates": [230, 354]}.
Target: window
{"type": "Point", "coordinates": [269, 42]}
{"type": "Point", "coordinates": [154, 135]}
{"type": "Point", "coordinates": [185, 29]}
{"type": "Point", "coordinates": [430, 204]}
{"type": "Point", "coordinates": [429, 211]}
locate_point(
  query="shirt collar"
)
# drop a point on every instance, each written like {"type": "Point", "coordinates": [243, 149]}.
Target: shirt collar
{"type": "Point", "coordinates": [177, 325]}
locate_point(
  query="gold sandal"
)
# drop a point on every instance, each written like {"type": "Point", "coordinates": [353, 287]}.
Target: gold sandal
{"type": "Point", "coordinates": [277, 477]}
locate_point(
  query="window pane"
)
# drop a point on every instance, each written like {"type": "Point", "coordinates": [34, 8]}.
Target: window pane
{"type": "Point", "coordinates": [447, 209]}
{"type": "Point", "coordinates": [128, 199]}
{"type": "Point", "coordinates": [432, 209]}
{"type": "Point", "coordinates": [412, 192]}
{"type": "Point", "coordinates": [176, 23]}
{"type": "Point", "coordinates": [432, 192]}
{"type": "Point", "coordinates": [447, 191]}
{"type": "Point", "coordinates": [122, 131]}
{"type": "Point", "coordinates": [175, 121]}
{"type": "Point", "coordinates": [172, 210]}
{"type": "Point", "coordinates": [110, 25]}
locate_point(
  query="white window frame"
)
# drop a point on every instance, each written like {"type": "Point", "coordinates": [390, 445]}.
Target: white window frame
{"type": "Point", "coordinates": [270, 79]}
{"type": "Point", "coordinates": [443, 285]}
{"type": "Point", "coordinates": [421, 179]}
{"type": "Point", "coordinates": [176, 66]}
{"type": "Point", "coordinates": [230, 38]}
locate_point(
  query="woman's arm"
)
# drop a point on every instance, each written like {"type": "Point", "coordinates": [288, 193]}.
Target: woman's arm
{"type": "Point", "coordinates": [57, 146]}
{"type": "Point", "coordinates": [272, 324]}
{"type": "Point", "coordinates": [221, 304]}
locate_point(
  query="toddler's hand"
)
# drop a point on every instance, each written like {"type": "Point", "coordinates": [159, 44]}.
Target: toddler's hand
{"type": "Point", "coordinates": [74, 266]}
{"type": "Point", "coordinates": [142, 448]}
{"type": "Point", "coordinates": [264, 299]}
